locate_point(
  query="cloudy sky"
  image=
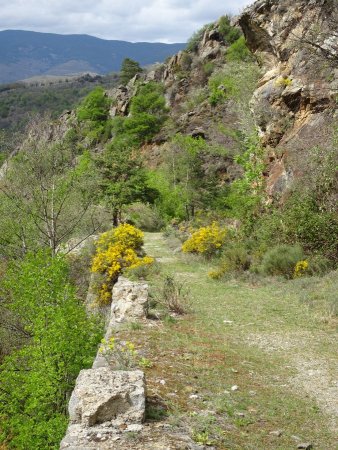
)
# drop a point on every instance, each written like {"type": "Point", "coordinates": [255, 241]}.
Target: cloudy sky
{"type": "Point", "coordinates": [132, 20]}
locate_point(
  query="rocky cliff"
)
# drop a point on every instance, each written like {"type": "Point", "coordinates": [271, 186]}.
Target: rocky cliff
{"type": "Point", "coordinates": [295, 103]}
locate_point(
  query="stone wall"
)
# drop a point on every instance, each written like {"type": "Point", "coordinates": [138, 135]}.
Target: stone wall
{"type": "Point", "coordinates": [107, 403]}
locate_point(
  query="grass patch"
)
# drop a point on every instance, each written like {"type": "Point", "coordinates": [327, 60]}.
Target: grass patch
{"type": "Point", "coordinates": [227, 342]}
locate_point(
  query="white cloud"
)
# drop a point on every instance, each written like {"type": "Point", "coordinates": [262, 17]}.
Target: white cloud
{"type": "Point", "coordinates": [133, 20]}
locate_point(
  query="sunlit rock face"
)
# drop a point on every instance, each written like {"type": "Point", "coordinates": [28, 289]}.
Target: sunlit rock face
{"type": "Point", "coordinates": [296, 42]}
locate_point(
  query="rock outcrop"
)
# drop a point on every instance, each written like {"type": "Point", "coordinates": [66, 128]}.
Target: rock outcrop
{"type": "Point", "coordinates": [294, 104]}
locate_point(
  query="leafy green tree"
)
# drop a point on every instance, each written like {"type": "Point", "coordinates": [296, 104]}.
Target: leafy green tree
{"type": "Point", "coordinates": [238, 51]}
{"type": "Point", "coordinates": [129, 69]}
{"type": "Point", "coordinates": [196, 186]}
{"type": "Point", "coordinates": [59, 340]}
{"type": "Point", "coordinates": [122, 178]}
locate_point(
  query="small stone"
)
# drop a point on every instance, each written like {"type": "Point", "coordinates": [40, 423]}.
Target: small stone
{"type": "Point", "coordinates": [277, 433]}
{"type": "Point", "coordinates": [239, 414]}
{"type": "Point", "coordinates": [226, 392]}
{"type": "Point", "coordinates": [193, 396]}
{"type": "Point", "coordinates": [228, 322]}
{"type": "Point", "coordinates": [305, 446]}
{"type": "Point", "coordinates": [135, 428]}
{"type": "Point", "coordinates": [162, 382]}
{"type": "Point", "coordinates": [234, 388]}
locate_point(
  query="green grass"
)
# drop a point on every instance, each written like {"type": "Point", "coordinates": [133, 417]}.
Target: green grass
{"type": "Point", "coordinates": [200, 357]}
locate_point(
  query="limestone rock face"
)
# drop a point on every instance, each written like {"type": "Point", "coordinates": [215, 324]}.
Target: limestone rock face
{"type": "Point", "coordinates": [103, 404]}
{"type": "Point", "coordinates": [129, 302]}
{"type": "Point", "coordinates": [101, 396]}
{"type": "Point", "coordinates": [296, 42]}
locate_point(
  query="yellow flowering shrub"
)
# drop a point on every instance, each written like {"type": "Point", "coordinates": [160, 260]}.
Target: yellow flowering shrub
{"type": "Point", "coordinates": [206, 240]}
{"type": "Point", "coordinates": [116, 250]}
{"type": "Point", "coordinates": [301, 268]}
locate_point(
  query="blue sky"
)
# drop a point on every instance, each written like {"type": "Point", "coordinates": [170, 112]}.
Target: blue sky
{"type": "Point", "coordinates": [132, 20]}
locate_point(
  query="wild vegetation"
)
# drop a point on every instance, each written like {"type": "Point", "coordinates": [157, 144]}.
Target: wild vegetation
{"type": "Point", "coordinates": [256, 259]}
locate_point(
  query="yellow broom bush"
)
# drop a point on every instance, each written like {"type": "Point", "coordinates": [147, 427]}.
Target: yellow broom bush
{"type": "Point", "coordinates": [206, 240]}
{"type": "Point", "coordinates": [116, 250]}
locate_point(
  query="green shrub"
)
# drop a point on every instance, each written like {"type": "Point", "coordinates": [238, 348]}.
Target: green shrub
{"type": "Point", "coordinates": [237, 81]}
{"type": "Point", "coordinates": [319, 265]}
{"type": "Point", "coordinates": [281, 260]}
{"type": "Point", "coordinates": [208, 68]}
{"type": "Point", "coordinates": [235, 259]}
{"type": "Point", "coordinates": [148, 114]}
{"type": "Point", "coordinates": [94, 107]}
{"type": "Point", "coordinates": [238, 51]}
{"type": "Point", "coordinates": [59, 340]}
{"type": "Point", "coordinates": [229, 33]}
{"type": "Point", "coordinates": [174, 296]}
{"type": "Point", "coordinates": [93, 112]}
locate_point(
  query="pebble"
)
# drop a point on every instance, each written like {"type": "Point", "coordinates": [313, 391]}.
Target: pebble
{"type": "Point", "coordinates": [305, 446]}
{"type": "Point", "coordinates": [162, 382]}
{"type": "Point", "coordinates": [228, 322]}
{"type": "Point", "coordinates": [277, 433]}
{"type": "Point", "coordinates": [193, 396]}
{"type": "Point", "coordinates": [234, 388]}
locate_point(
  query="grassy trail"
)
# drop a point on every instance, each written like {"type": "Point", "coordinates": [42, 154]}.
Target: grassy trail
{"type": "Point", "coordinates": [249, 368]}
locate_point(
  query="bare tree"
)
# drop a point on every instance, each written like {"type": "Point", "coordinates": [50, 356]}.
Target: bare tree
{"type": "Point", "coordinates": [47, 198]}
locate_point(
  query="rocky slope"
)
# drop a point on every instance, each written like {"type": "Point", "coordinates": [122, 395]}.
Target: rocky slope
{"type": "Point", "coordinates": [294, 104]}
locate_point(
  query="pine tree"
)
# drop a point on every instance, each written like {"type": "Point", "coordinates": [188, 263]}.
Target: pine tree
{"type": "Point", "coordinates": [129, 69]}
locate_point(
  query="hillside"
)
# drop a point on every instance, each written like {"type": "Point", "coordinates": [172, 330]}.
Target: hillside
{"type": "Point", "coordinates": [189, 217]}
{"type": "Point", "coordinates": [24, 54]}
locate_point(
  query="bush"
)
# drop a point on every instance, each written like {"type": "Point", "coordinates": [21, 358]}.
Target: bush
{"type": "Point", "coordinates": [238, 51]}
{"type": "Point", "coordinates": [229, 33]}
{"type": "Point", "coordinates": [206, 241]}
{"type": "Point", "coordinates": [282, 260]}
{"type": "Point", "coordinates": [237, 80]}
{"type": "Point", "coordinates": [117, 250]}
{"type": "Point", "coordinates": [94, 113]}
{"type": "Point", "coordinates": [59, 340]}
{"type": "Point", "coordinates": [174, 296]}
{"type": "Point", "coordinates": [235, 258]}
{"type": "Point", "coordinates": [148, 114]}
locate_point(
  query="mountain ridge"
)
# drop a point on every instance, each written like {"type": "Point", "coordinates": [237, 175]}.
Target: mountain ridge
{"type": "Point", "coordinates": [25, 54]}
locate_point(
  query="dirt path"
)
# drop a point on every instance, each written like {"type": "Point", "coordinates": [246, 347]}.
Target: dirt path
{"type": "Point", "coordinates": [260, 341]}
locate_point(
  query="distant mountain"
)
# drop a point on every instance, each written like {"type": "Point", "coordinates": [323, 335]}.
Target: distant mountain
{"type": "Point", "coordinates": [24, 54]}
